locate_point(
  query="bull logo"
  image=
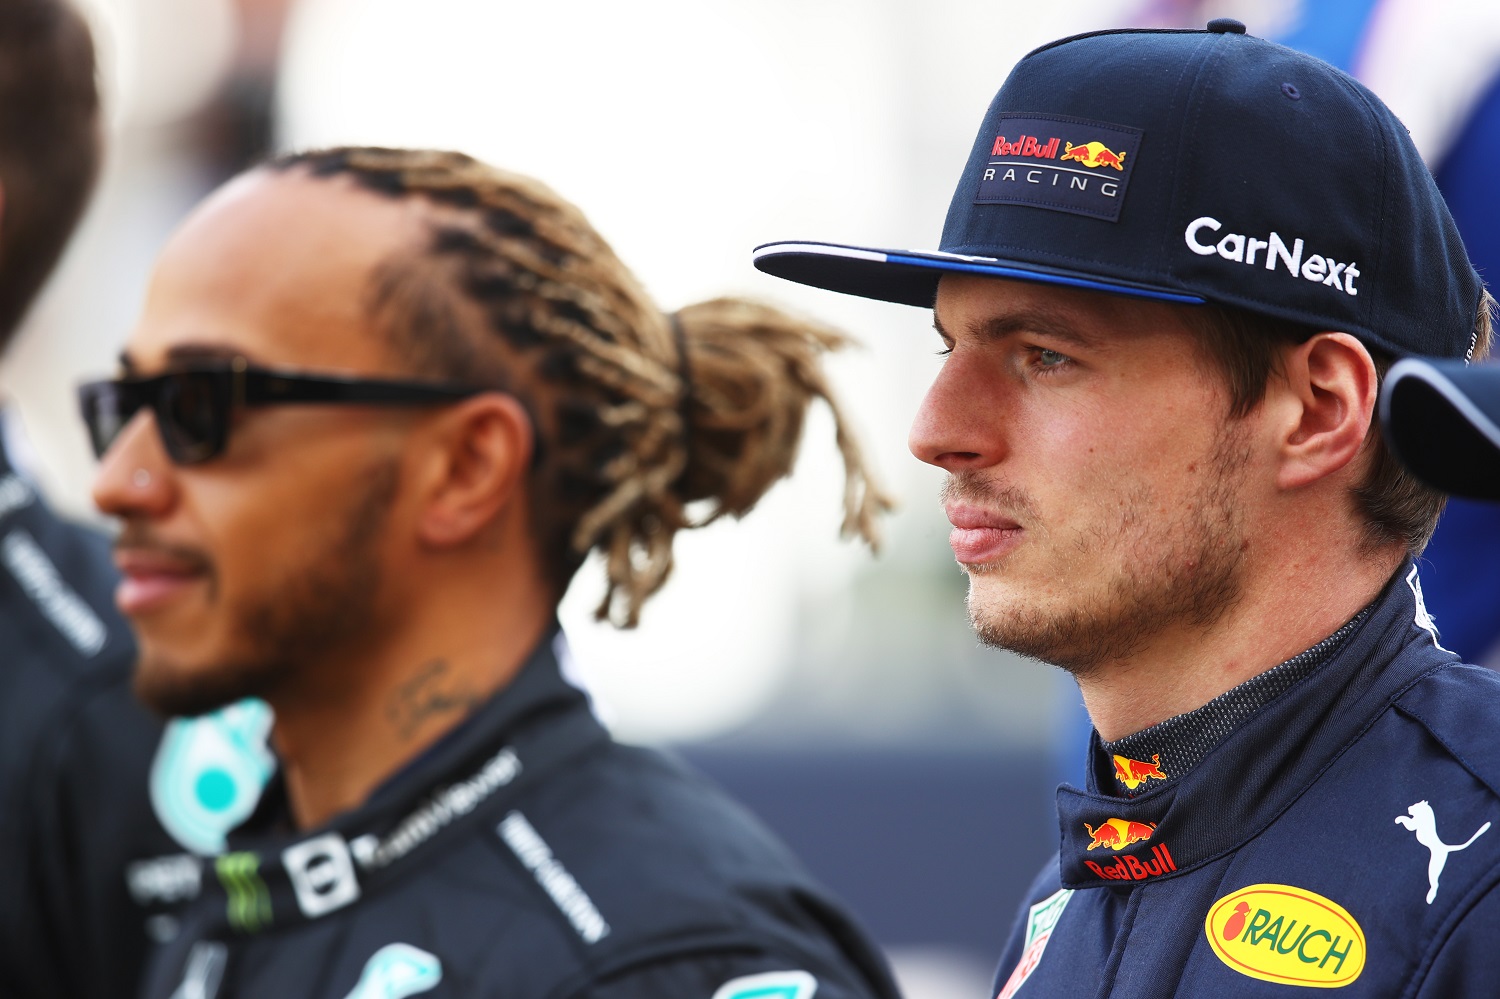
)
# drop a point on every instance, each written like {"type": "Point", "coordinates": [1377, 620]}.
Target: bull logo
{"type": "Point", "coordinates": [1117, 834]}
{"type": "Point", "coordinates": [1134, 773]}
{"type": "Point", "coordinates": [1093, 155]}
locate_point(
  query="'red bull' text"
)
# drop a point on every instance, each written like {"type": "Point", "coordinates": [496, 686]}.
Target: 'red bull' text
{"type": "Point", "coordinates": [1128, 868]}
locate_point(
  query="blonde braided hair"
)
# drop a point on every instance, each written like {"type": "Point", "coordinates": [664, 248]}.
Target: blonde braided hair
{"type": "Point", "coordinates": [516, 289]}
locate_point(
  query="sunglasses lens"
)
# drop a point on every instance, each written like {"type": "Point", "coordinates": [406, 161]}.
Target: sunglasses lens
{"type": "Point", "coordinates": [191, 411]}
{"type": "Point", "coordinates": [106, 409]}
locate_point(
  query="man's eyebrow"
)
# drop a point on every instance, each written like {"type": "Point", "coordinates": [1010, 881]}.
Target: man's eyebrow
{"type": "Point", "coordinates": [1039, 321]}
{"type": "Point", "coordinates": [189, 352]}
{"type": "Point", "coordinates": [185, 354]}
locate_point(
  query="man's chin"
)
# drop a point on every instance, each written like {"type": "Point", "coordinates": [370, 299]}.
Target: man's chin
{"type": "Point", "coordinates": [1007, 620]}
{"type": "Point", "coordinates": [177, 690]}
{"type": "Point", "coordinates": [996, 604]}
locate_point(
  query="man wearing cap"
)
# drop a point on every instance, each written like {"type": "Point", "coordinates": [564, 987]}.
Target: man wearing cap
{"type": "Point", "coordinates": [1173, 271]}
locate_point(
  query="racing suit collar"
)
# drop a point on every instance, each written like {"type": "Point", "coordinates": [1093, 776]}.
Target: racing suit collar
{"type": "Point", "coordinates": [1241, 785]}
{"type": "Point", "coordinates": [272, 878]}
{"type": "Point", "coordinates": [1131, 766]}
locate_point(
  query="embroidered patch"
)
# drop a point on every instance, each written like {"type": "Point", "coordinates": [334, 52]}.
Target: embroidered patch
{"type": "Point", "coordinates": [1117, 834]}
{"type": "Point", "coordinates": [248, 906]}
{"type": "Point", "coordinates": [1040, 922]}
{"type": "Point", "coordinates": [564, 890]}
{"type": "Point", "coordinates": [1131, 867]}
{"type": "Point", "coordinates": [396, 971]}
{"type": "Point", "coordinates": [58, 602]}
{"type": "Point", "coordinates": [1288, 935]}
{"type": "Point", "coordinates": [769, 985]}
{"type": "Point", "coordinates": [1421, 820]}
{"type": "Point", "coordinates": [209, 772]}
{"type": "Point", "coordinates": [14, 494]}
{"type": "Point", "coordinates": [322, 874]}
{"type": "Point", "coordinates": [1062, 164]}
{"type": "Point", "coordinates": [1114, 835]}
{"type": "Point", "coordinates": [1134, 773]}
{"type": "Point", "coordinates": [1202, 236]}
{"type": "Point", "coordinates": [204, 972]}
{"type": "Point", "coordinates": [1423, 619]}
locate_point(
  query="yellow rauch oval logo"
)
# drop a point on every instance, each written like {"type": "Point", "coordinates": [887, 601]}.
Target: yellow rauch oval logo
{"type": "Point", "coordinates": [1278, 933]}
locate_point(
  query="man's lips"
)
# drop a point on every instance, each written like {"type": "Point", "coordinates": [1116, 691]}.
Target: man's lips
{"type": "Point", "coordinates": [980, 535]}
{"type": "Point", "coordinates": [152, 577]}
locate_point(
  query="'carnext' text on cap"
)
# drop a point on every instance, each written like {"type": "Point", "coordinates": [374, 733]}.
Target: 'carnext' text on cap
{"type": "Point", "coordinates": [1241, 249]}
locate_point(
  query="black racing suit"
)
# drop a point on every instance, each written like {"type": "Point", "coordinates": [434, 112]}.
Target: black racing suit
{"type": "Point", "coordinates": [74, 753]}
{"type": "Point", "coordinates": [525, 855]}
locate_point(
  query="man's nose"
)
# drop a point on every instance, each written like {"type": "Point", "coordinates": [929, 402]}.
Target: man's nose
{"type": "Point", "coordinates": [135, 476]}
{"type": "Point", "coordinates": [957, 427]}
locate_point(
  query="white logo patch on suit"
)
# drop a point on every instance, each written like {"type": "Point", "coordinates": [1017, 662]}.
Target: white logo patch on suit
{"type": "Point", "coordinates": [1423, 822]}
{"type": "Point", "coordinates": [769, 985]}
{"type": "Point", "coordinates": [396, 971]}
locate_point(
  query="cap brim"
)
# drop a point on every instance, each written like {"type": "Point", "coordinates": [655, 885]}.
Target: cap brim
{"type": "Point", "coordinates": [1442, 419]}
{"type": "Point", "coordinates": [910, 277]}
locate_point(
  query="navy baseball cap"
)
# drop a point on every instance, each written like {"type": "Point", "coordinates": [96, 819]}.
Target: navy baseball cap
{"type": "Point", "coordinates": [1442, 420]}
{"type": "Point", "coordinates": [1191, 166]}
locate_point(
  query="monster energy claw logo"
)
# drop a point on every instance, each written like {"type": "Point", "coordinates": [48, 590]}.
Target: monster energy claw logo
{"type": "Point", "coordinates": [249, 905]}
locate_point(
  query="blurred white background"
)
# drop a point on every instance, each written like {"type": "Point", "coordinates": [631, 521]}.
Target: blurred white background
{"type": "Point", "coordinates": [688, 132]}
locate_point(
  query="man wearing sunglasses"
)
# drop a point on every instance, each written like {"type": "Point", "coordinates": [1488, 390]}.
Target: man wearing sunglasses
{"type": "Point", "coordinates": [379, 407]}
{"type": "Point", "coordinates": [75, 746]}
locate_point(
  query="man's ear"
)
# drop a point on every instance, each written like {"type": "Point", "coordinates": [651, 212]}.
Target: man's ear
{"type": "Point", "coordinates": [1324, 402]}
{"type": "Point", "coordinates": [477, 456]}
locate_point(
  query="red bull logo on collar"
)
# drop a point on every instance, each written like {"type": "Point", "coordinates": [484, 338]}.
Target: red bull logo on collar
{"type": "Point", "coordinates": [1117, 834]}
{"type": "Point", "coordinates": [1134, 773]}
{"type": "Point", "coordinates": [1128, 867]}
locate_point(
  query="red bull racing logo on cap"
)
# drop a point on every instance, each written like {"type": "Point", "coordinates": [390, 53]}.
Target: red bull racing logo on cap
{"type": "Point", "coordinates": [1060, 164]}
{"type": "Point", "coordinates": [1095, 154]}
{"type": "Point", "coordinates": [1026, 145]}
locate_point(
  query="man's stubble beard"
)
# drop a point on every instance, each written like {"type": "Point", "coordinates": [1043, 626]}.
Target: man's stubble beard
{"type": "Point", "coordinates": [327, 603]}
{"type": "Point", "coordinates": [1186, 571]}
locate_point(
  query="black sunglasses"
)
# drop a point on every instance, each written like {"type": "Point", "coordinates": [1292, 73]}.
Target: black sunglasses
{"type": "Point", "coordinates": [193, 405]}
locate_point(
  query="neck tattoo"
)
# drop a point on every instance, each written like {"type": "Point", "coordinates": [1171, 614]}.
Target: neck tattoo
{"type": "Point", "coordinates": [430, 693]}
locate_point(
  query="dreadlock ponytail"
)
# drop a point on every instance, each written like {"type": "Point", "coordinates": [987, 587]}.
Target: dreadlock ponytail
{"type": "Point", "coordinates": [647, 424]}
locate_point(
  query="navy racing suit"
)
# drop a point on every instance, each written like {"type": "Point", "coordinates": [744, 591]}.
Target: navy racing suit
{"type": "Point", "coordinates": [526, 854]}
{"type": "Point", "coordinates": [1340, 836]}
